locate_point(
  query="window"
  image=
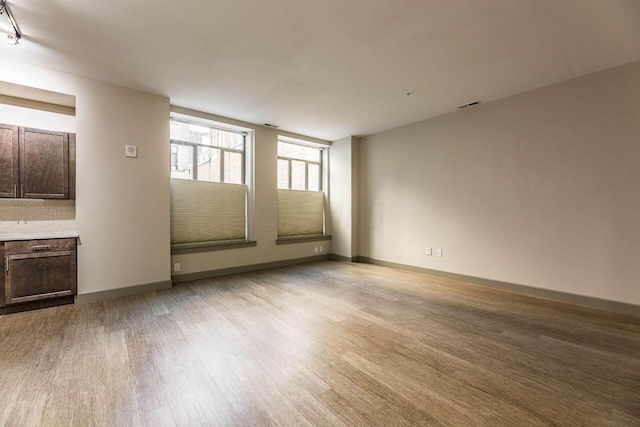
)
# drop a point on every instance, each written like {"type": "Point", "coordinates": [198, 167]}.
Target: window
{"type": "Point", "coordinates": [207, 153]}
{"type": "Point", "coordinates": [301, 202]}
{"type": "Point", "coordinates": [299, 167]}
{"type": "Point", "coordinates": [209, 198]}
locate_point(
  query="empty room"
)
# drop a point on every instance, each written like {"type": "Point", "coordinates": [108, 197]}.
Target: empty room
{"type": "Point", "coordinates": [329, 213]}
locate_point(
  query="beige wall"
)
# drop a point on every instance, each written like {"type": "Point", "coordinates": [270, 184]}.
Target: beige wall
{"type": "Point", "coordinates": [122, 206]}
{"type": "Point", "coordinates": [344, 196]}
{"type": "Point", "coordinates": [29, 117]}
{"type": "Point", "coordinates": [265, 213]}
{"type": "Point", "coordinates": [539, 189]}
{"type": "Point", "coordinates": [355, 197]}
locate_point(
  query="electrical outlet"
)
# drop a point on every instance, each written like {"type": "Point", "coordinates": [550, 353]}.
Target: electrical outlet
{"type": "Point", "coordinates": [429, 251]}
{"type": "Point", "coordinates": [439, 252]}
{"type": "Point", "coordinates": [321, 249]}
{"type": "Point", "coordinates": [315, 249]}
{"type": "Point", "coordinates": [176, 266]}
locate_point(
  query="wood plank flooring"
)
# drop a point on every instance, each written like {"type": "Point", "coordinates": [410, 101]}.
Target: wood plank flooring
{"type": "Point", "coordinates": [323, 344]}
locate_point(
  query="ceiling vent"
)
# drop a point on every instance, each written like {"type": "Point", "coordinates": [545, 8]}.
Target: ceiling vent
{"type": "Point", "coordinates": [471, 104]}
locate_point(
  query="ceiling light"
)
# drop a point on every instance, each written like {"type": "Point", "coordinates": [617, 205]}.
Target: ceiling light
{"type": "Point", "coordinates": [17, 35]}
{"type": "Point", "coordinates": [12, 39]}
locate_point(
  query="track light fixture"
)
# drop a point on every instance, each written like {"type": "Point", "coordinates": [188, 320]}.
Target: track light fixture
{"type": "Point", "coordinates": [17, 35]}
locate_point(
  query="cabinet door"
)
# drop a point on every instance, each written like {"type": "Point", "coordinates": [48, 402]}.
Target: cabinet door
{"type": "Point", "coordinates": [39, 276]}
{"type": "Point", "coordinates": [44, 164]}
{"type": "Point", "coordinates": [72, 166]}
{"type": "Point", "coordinates": [8, 161]}
{"type": "Point", "coordinates": [2, 276]}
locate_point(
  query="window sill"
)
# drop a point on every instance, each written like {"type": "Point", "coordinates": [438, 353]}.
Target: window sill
{"type": "Point", "coordinates": [189, 248]}
{"type": "Point", "coordinates": [302, 239]}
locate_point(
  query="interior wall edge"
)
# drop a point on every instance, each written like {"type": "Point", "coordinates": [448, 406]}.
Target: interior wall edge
{"type": "Point", "coordinates": [338, 257]}
{"type": "Point", "coordinates": [574, 299]}
{"type": "Point", "coordinates": [37, 105]}
{"type": "Point", "coordinates": [245, 268]}
{"type": "Point", "coordinates": [122, 292]}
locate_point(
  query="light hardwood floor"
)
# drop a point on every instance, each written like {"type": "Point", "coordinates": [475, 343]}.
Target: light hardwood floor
{"type": "Point", "coordinates": [325, 344]}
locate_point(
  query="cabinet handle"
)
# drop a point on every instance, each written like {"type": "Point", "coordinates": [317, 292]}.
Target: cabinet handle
{"type": "Point", "coordinates": [42, 248]}
{"type": "Point", "coordinates": [6, 263]}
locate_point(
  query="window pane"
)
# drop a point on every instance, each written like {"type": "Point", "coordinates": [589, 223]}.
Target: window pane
{"type": "Point", "coordinates": [301, 152]}
{"type": "Point", "coordinates": [208, 164]}
{"type": "Point", "coordinates": [201, 134]}
{"type": "Point", "coordinates": [314, 177]}
{"type": "Point", "coordinates": [232, 167]}
{"type": "Point", "coordinates": [181, 161]}
{"type": "Point", "coordinates": [221, 138]}
{"type": "Point", "coordinates": [298, 175]}
{"type": "Point", "coordinates": [283, 174]}
{"type": "Point", "coordinates": [190, 133]}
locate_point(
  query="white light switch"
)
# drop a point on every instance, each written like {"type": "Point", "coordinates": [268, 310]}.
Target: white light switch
{"type": "Point", "coordinates": [131, 151]}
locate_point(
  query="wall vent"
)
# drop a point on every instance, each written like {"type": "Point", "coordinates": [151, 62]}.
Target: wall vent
{"type": "Point", "coordinates": [269, 125]}
{"type": "Point", "coordinates": [471, 104]}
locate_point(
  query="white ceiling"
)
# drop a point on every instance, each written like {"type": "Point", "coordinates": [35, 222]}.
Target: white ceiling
{"type": "Point", "coordinates": [327, 68]}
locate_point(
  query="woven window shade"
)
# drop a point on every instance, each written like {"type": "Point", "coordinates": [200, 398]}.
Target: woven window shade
{"type": "Point", "coordinates": [204, 211]}
{"type": "Point", "coordinates": [300, 213]}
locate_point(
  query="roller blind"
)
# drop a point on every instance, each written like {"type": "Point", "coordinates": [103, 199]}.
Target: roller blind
{"type": "Point", "coordinates": [203, 211]}
{"type": "Point", "coordinates": [300, 213]}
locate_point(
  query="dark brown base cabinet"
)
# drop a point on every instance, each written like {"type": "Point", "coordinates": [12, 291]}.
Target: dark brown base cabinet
{"type": "Point", "coordinates": [37, 273]}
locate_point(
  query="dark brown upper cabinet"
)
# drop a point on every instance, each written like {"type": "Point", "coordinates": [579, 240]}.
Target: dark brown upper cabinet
{"type": "Point", "coordinates": [44, 164]}
{"type": "Point", "coordinates": [8, 161]}
{"type": "Point", "coordinates": [36, 164]}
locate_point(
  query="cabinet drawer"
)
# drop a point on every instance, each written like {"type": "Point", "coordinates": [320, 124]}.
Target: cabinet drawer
{"type": "Point", "coordinates": [35, 246]}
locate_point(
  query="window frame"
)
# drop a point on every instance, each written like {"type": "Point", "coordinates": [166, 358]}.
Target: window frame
{"type": "Point", "coordinates": [306, 166]}
{"type": "Point", "coordinates": [195, 146]}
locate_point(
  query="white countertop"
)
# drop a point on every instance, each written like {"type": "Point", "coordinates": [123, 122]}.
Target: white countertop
{"type": "Point", "coordinates": [39, 236]}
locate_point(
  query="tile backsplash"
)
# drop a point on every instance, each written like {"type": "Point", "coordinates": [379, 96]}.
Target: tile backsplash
{"type": "Point", "coordinates": [35, 216]}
